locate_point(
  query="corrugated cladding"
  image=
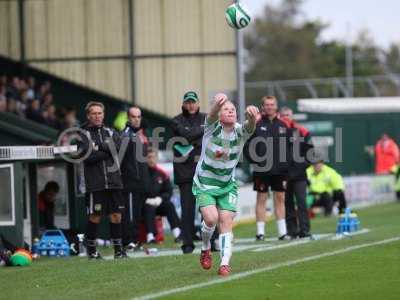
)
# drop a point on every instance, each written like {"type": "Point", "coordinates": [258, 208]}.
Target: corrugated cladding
{"type": "Point", "coordinates": [9, 29]}
{"type": "Point", "coordinates": [164, 30]}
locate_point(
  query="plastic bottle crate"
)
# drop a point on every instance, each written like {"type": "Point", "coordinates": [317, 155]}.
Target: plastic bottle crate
{"type": "Point", "coordinates": [348, 222]}
{"type": "Point", "coordinates": [53, 243]}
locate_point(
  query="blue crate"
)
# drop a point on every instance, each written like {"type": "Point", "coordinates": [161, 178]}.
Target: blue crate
{"type": "Point", "coordinates": [53, 243]}
{"type": "Point", "coordinates": [348, 222]}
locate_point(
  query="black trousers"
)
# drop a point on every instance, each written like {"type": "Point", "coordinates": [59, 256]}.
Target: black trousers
{"type": "Point", "coordinates": [188, 204]}
{"type": "Point", "coordinates": [166, 209]}
{"type": "Point", "coordinates": [132, 215]}
{"type": "Point", "coordinates": [339, 197]}
{"type": "Point", "coordinates": [46, 219]}
{"type": "Point", "coordinates": [325, 200]}
{"type": "Point", "coordinates": [297, 220]}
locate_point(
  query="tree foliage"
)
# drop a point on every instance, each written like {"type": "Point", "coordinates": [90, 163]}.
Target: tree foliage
{"type": "Point", "coordinates": [282, 44]}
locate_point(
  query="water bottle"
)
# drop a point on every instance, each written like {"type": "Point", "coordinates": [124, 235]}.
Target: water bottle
{"type": "Point", "coordinates": [35, 248]}
{"type": "Point", "coordinates": [82, 249]}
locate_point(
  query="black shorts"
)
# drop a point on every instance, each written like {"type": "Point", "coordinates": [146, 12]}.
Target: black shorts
{"type": "Point", "coordinates": [104, 202]}
{"type": "Point", "coordinates": [262, 183]}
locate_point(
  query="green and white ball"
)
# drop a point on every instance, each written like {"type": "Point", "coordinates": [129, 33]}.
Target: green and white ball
{"type": "Point", "coordinates": [236, 16]}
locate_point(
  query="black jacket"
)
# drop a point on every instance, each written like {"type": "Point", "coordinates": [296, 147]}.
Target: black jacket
{"type": "Point", "coordinates": [302, 146]}
{"type": "Point", "coordinates": [97, 165]}
{"type": "Point", "coordinates": [274, 147]}
{"type": "Point", "coordinates": [135, 173]}
{"type": "Point", "coordinates": [160, 184]}
{"type": "Point", "coordinates": [191, 128]}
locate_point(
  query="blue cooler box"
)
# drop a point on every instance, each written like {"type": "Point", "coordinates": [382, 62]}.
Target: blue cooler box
{"type": "Point", "coordinates": [53, 243]}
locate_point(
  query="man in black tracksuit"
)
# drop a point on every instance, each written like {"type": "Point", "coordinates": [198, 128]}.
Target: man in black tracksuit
{"type": "Point", "coordinates": [187, 125]}
{"type": "Point", "coordinates": [269, 149]}
{"type": "Point", "coordinates": [102, 179]}
{"type": "Point", "coordinates": [158, 200]}
{"type": "Point", "coordinates": [297, 219]}
{"type": "Point", "coordinates": [135, 175]}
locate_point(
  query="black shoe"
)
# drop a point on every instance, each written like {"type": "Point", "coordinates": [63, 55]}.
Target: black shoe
{"type": "Point", "coordinates": [187, 249]}
{"type": "Point", "coordinates": [260, 237]}
{"type": "Point", "coordinates": [178, 240]}
{"type": "Point", "coordinates": [131, 247]}
{"type": "Point", "coordinates": [120, 254]}
{"type": "Point", "coordinates": [285, 237]}
{"type": "Point", "coordinates": [306, 235]}
{"type": "Point", "coordinates": [153, 241]}
{"type": "Point", "coordinates": [94, 256]}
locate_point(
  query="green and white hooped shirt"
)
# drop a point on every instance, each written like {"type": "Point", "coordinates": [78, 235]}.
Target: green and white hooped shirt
{"type": "Point", "coordinates": [220, 154]}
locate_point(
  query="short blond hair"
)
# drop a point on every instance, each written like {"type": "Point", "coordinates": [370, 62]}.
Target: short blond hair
{"type": "Point", "coordinates": [93, 103]}
{"type": "Point", "coordinates": [265, 98]}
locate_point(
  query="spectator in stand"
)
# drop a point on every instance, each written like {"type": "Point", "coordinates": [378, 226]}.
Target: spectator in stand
{"type": "Point", "coordinates": [31, 81]}
{"type": "Point", "coordinates": [3, 98]}
{"type": "Point", "coordinates": [13, 89]}
{"type": "Point", "coordinates": [158, 200]}
{"type": "Point", "coordinates": [34, 112]}
{"type": "Point", "coordinates": [51, 118]}
{"type": "Point", "coordinates": [12, 106]}
{"type": "Point", "coordinates": [43, 90]}
{"type": "Point", "coordinates": [3, 80]}
{"type": "Point", "coordinates": [46, 204]}
{"type": "Point", "coordinates": [386, 154]}
{"type": "Point", "coordinates": [69, 118]}
{"type": "Point", "coordinates": [3, 104]}
{"type": "Point", "coordinates": [47, 101]}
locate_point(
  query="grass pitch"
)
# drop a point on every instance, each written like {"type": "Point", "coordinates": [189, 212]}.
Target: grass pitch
{"type": "Point", "coordinates": [366, 273]}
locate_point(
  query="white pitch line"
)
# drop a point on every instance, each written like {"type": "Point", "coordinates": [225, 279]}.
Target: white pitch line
{"type": "Point", "coordinates": [238, 247]}
{"type": "Point", "coordinates": [265, 269]}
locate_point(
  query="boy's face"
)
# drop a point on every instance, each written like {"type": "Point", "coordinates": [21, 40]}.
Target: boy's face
{"type": "Point", "coordinates": [227, 115]}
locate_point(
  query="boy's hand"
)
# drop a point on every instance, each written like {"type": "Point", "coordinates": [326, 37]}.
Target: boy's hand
{"type": "Point", "coordinates": [252, 112]}
{"type": "Point", "coordinates": [220, 99]}
{"type": "Point", "coordinates": [252, 115]}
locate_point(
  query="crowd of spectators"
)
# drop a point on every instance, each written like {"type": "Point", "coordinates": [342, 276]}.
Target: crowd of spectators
{"type": "Point", "coordinates": [27, 98]}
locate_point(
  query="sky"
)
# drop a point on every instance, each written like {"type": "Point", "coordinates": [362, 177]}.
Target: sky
{"type": "Point", "coordinates": [379, 17]}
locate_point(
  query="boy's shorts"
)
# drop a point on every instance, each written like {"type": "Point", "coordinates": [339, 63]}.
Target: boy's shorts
{"type": "Point", "coordinates": [224, 198]}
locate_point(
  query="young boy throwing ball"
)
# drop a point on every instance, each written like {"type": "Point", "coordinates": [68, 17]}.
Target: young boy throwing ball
{"type": "Point", "coordinates": [214, 183]}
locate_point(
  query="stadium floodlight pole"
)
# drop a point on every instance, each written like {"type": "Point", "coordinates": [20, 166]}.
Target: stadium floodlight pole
{"type": "Point", "coordinates": [240, 74]}
{"type": "Point", "coordinates": [349, 63]}
{"type": "Point", "coordinates": [131, 9]}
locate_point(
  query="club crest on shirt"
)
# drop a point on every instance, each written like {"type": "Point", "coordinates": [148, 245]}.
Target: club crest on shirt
{"type": "Point", "coordinates": [97, 207]}
{"type": "Point", "coordinates": [263, 128]}
{"type": "Point", "coordinates": [282, 130]}
{"type": "Point", "coordinates": [221, 155]}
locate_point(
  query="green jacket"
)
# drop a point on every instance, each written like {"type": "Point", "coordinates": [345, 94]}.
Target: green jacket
{"type": "Point", "coordinates": [396, 171]}
{"type": "Point", "coordinates": [326, 181]}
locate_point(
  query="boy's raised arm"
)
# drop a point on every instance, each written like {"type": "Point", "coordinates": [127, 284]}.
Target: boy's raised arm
{"type": "Point", "coordinates": [251, 118]}
{"type": "Point", "coordinates": [219, 100]}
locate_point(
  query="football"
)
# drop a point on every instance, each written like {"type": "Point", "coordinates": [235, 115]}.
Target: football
{"type": "Point", "coordinates": [237, 16]}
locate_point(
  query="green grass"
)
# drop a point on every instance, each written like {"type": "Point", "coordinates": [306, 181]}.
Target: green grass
{"type": "Point", "coordinates": [368, 273]}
